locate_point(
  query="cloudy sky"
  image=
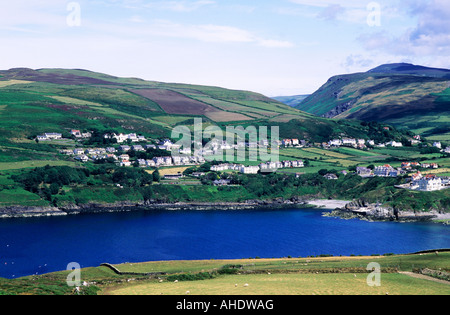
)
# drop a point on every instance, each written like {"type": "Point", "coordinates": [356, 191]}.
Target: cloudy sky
{"type": "Point", "coordinates": [275, 47]}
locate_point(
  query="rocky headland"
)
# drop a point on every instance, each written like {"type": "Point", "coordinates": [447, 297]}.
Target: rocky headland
{"type": "Point", "coordinates": [375, 212]}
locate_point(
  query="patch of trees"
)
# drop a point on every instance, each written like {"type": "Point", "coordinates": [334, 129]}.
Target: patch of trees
{"type": "Point", "coordinates": [149, 154]}
{"type": "Point", "coordinates": [49, 180]}
{"type": "Point", "coordinates": [429, 150]}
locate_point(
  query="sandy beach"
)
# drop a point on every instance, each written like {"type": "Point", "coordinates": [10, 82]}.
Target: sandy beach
{"type": "Point", "coordinates": [328, 204]}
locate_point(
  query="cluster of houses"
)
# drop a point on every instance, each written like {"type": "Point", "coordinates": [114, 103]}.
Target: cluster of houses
{"type": "Point", "coordinates": [356, 143]}
{"type": "Point", "coordinates": [293, 143]}
{"type": "Point", "coordinates": [121, 138]}
{"type": "Point", "coordinates": [360, 143]}
{"type": "Point", "coordinates": [410, 165]}
{"type": "Point", "coordinates": [80, 135]}
{"type": "Point", "coordinates": [49, 136]}
{"type": "Point", "coordinates": [123, 159]}
{"type": "Point", "coordinates": [263, 167]}
{"type": "Point", "coordinates": [57, 136]}
{"type": "Point", "coordinates": [429, 182]}
{"type": "Point", "coordinates": [136, 143]}
{"type": "Point", "coordinates": [389, 171]}
{"type": "Point", "coordinates": [382, 171]}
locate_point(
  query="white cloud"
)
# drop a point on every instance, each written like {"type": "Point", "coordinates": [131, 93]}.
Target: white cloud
{"type": "Point", "coordinates": [209, 33]}
{"type": "Point", "coordinates": [37, 13]}
{"type": "Point", "coordinates": [428, 39]}
{"type": "Point", "coordinates": [179, 6]}
{"type": "Point", "coordinates": [352, 11]}
{"type": "Point", "coordinates": [170, 5]}
{"type": "Point", "coordinates": [326, 3]}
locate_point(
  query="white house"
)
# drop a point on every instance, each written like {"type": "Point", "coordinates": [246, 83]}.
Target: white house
{"type": "Point", "coordinates": [124, 148]}
{"type": "Point", "coordinates": [395, 144]}
{"type": "Point", "coordinates": [138, 148]}
{"type": "Point", "coordinates": [349, 141]}
{"type": "Point", "coordinates": [335, 142]}
{"type": "Point", "coordinates": [218, 168]}
{"type": "Point", "coordinates": [124, 157]}
{"type": "Point", "coordinates": [298, 163]}
{"type": "Point", "coordinates": [363, 171]}
{"type": "Point", "coordinates": [249, 169]}
{"type": "Point", "coordinates": [287, 142]}
{"type": "Point", "coordinates": [150, 163]}
{"type": "Point", "coordinates": [120, 137]}
{"type": "Point", "coordinates": [330, 176]}
{"type": "Point", "coordinates": [125, 163]}
{"type": "Point", "coordinates": [78, 151]}
{"type": "Point", "coordinates": [133, 137]}
{"type": "Point", "coordinates": [165, 145]}
{"type": "Point", "coordinates": [383, 171]}
{"type": "Point", "coordinates": [437, 145]}
{"type": "Point", "coordinates": [49, 136]}
{"type": "Point", "coordinates": [53, 136]}
{"type": "Point", "coordinates": [429, 183]}
{"type": "Point", "coordinates": [82, 158]}
{"type": "Point", "coordinates": [76, 133]}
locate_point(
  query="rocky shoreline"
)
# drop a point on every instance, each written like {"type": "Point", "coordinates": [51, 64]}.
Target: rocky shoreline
{"type": "Point", "coordinates": [342, 209]}
{"type": "Point", "coordinates": [26, 212]}
{"type": "Point", "coordinates": [372, 212]}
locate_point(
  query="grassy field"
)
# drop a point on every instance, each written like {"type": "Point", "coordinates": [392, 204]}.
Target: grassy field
{"type": "Point", "coordinates": [294, 276]}
{"type": "Point", "coordinates": [290, 284]}
{"type": "Point", "coordinates": [282, 276]}
{"type": "Point", "coordinates": [31, 164]}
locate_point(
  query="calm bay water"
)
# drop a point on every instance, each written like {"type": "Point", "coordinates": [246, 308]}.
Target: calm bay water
{"type": "Point", "coordinates": [42, 245]}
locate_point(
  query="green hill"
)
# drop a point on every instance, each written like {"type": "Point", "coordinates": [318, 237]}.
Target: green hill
{"type": "Point", "coordinates": [33, 102]}
{"type": "Point", "coordinates": [403, 95]}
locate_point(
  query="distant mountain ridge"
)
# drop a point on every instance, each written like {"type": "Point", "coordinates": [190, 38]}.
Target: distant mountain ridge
{"type": "Point", "coordinates": [407, 68]}
{"type": "Point", "coordinates": [401, 94]}
{"type": "Point", "coordinates": [292, 101]}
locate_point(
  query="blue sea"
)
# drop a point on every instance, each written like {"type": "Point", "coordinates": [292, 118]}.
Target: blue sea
{"type": "Point", "coordinates": [41, 245]}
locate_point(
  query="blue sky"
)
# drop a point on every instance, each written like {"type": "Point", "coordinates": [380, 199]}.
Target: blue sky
{"type": "Point", "coordinates": [275, 47]}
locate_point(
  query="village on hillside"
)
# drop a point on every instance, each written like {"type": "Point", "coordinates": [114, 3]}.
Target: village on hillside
{"type": "Point", "coordinates": [123, 145]}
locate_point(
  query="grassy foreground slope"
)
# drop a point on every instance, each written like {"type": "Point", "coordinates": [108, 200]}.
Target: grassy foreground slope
{"type": "Point", "coordinates": [284, 276]}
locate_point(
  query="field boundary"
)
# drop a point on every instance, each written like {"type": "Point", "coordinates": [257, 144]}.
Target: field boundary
{"type": "Point", "coordinates": [117, 271]}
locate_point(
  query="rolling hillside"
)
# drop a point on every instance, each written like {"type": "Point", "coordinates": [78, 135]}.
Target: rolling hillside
{"type": "Point", "coordinates": [403, 95]}
{"type": "Point", "coordinates": [33, 102]}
